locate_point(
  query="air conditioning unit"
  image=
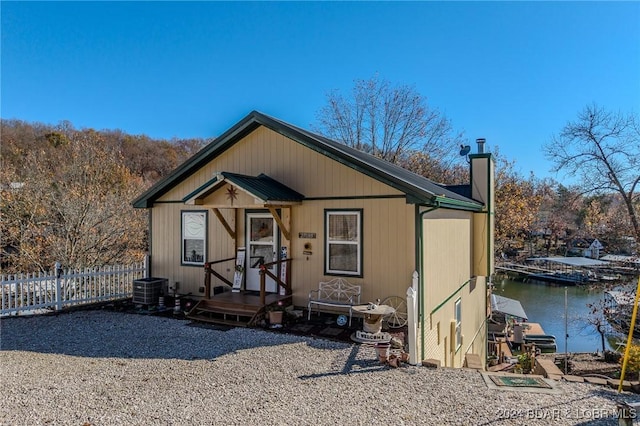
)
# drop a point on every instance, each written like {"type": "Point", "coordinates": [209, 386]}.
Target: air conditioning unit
{"type": "Point", "coordinates": [146, 291]}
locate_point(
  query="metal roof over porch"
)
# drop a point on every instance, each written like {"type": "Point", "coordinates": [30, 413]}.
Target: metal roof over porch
{"type": "Point", "coordinates": [262, 188]}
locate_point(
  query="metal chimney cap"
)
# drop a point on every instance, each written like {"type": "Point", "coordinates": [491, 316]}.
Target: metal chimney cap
{"type": "Point", "coordinates": [481, 142]}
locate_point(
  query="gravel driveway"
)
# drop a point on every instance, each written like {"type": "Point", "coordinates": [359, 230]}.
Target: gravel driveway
{"type": "Point", "coordinates": [110, 368]}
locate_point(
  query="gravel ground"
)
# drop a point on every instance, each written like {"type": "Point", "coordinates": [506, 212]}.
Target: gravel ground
{"type": "Point", "coordinates": [110, 368]}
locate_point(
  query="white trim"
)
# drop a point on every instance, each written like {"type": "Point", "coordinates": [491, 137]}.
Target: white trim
{"type": "Point", "coordinates": [335, 241]}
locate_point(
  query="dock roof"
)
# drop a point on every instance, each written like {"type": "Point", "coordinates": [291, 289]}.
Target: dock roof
{"type": "Point", "coordinates": [571, 261]}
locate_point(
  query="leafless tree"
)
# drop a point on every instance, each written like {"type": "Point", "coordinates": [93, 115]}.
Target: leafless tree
{"type": "Point", "coordinates": [387, 121]}
{"type": "Point", "coordinates": [69, 201]}
{"type": "Point", "coordinates": [602, 148]}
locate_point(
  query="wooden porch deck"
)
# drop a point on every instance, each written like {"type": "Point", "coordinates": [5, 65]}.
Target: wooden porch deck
{"type": "Point", "coordinates": [234, 308]}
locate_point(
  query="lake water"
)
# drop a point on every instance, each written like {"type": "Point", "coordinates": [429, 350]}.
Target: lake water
{"type": "Point", "coordinates": [545, 304]}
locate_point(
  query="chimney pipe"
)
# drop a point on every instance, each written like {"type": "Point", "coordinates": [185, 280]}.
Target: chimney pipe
{"type": "Point", "coordinates": [480, 142]}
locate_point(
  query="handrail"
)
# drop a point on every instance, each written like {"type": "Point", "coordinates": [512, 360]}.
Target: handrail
{"type": "Point", "coordinates": [220, 261]}
{"type": "Point", "coordinates": [265, 271]}
{"type": "Point", "coordinates": [208, 270]}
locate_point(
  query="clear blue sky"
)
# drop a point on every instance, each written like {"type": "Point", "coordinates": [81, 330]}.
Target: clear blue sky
{"type": "Point", "coordinates": [512, 72]}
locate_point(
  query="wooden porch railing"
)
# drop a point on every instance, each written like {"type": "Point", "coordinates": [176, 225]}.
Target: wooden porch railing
{"type": "Point", "coordinates": [208, 271]}
{"type": "Point", "coordinates": [264, 271]}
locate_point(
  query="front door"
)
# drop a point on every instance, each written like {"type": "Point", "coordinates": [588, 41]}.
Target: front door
{"type": "Point", "coordinates": [262, 247]}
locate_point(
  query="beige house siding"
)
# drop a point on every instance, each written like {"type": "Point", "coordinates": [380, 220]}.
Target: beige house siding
{"type": "Point", "coordinates": [302, 169]}
{"type": "Point", "coordinates": [388, 246]}
{"type": "Point", "coordinates": [166, 246]}
{"type": "Point", "coordinates": [447, 260]}
{"type": "Point", "coordinates": [483, 182]}
{"type": "Point", "coordinates": [388, 221]}
{"type": "Point", "coordinates": [455, 239]}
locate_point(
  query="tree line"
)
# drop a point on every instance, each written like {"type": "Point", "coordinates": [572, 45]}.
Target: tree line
{"type": "Point", "coordinates": [600, 148]}
{"type": "Point", "coordinates": [66, 193]}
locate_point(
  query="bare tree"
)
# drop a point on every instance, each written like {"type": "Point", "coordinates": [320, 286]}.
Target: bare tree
{"type": "Point", "coordinates": [602, 149]}
{"type": "Point", "coordinates": [70, 202]}
{"type": "Point", "coordinates": [387, 121]}
{"type": "Point", "coordinates": [598, 320]}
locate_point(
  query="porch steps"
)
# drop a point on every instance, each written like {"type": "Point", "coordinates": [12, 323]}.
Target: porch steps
{"type": "Point", "coordinates": [473, 361]}
{"type": "Point", "coordinates": [237, 315]}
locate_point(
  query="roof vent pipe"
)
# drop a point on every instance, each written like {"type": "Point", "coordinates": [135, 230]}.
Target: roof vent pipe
{"type": "Point", "coordinates": [480, 142]}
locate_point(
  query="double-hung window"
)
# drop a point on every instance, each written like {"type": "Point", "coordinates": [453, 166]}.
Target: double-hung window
{"type": "Point", "coordinates": [194, 237]}
{"type": "Point", "coordinates": [343, 236]}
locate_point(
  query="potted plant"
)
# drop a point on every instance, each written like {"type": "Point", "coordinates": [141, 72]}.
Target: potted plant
{"type": "Point", "coordinates": [525, 363]}
{"type": "Point", "coordinates": [275, 314]}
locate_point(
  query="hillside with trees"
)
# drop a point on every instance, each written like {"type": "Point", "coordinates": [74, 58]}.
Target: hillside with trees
{"type": "Point", "coordinates": [66, 193]}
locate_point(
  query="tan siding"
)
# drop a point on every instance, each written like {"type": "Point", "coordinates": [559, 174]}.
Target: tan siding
{"type": "Point", "coordinates": [388, 242]}
{"type": "Point", "coordinates": [388, 223]}
{"type": "Point", "coordinates": [307, 171]}
{"type": "Point", "coordinates": [166, 246]}
{"type": "Point", "coordinates": [447, 261]}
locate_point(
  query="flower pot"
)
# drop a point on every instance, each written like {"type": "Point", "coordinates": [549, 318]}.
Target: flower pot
{"type": "Point", "coordinates": [394, 361]}
{"type": "Point", "coordinates": [382, 349]}
{"type": "Point", "coordinates": [372, 324]}
{"type": "Point", "coordinates": [275, 317]}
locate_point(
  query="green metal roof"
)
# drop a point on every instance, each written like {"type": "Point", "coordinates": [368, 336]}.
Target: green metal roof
{"type": "Point", "coordinates": [262, 187]}
{"type": "Point", "coordinates": [418, 189]}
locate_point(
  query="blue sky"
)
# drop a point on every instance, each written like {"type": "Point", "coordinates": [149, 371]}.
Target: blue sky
{"type": "Point", "coordinates": [512, 72]}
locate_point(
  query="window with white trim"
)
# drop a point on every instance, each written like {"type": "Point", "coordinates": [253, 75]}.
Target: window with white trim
{"type": "Point", "coordinates": [343, 236]}
{"type": "Point", "coordinates": [458, 313]}
{"type": "Point", "coordinates": [194, 237]}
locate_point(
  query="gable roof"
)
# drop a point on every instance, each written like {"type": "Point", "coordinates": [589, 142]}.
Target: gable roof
{"type": "Point", "coordinates": [418, 189]}
{"type": "Point", "coordinates": [261, 187]}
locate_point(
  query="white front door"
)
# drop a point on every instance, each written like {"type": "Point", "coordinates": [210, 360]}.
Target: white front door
{"type": "Point", "coordinates": [262, 247]}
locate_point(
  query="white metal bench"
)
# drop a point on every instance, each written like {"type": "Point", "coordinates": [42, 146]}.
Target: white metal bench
{"type": "Point", "coordinates": [337, 293]}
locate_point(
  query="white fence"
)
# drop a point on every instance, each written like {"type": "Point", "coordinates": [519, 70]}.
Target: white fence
{"type": "Point", "coordinates": [59, 289]}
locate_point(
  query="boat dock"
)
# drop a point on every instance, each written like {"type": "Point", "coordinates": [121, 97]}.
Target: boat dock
{"type": "Point", "coordinates": [559, 270]}
{"type": "Point", "coordinates": [517, 338]}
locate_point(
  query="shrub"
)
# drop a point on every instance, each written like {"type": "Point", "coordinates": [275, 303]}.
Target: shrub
{"type": "Point", "coordinates": [612, 357]}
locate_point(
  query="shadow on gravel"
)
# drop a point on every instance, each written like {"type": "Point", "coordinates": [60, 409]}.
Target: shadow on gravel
{"type": "Point", "coordinates": [108, 333]}
{"type": "Point", "coordinates": [353, 365]}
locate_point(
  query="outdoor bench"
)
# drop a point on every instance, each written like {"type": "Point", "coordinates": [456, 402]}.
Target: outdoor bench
{"type": "Point", "coordinates": [337, 293]}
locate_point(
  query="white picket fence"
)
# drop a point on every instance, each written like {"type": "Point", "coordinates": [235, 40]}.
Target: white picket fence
{"type": "Point", "coordinates": [59, 289]}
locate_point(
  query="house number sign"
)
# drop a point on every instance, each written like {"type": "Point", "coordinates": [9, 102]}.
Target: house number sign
{"type": "Point", "coordinates": [306, 235]}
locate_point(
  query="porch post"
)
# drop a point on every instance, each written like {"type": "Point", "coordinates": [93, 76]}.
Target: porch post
{"type": "Point", "coordinates": [207, 281]}
{"type": "Point", "coordinates": [263, 287]}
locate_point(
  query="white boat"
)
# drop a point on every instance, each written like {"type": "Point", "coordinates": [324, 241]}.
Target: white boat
{"type": "Point", "coordinates": [544, 342]}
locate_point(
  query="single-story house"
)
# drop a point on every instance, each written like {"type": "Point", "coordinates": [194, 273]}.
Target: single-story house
{"type": "Point", "coordinates": [266, 187]}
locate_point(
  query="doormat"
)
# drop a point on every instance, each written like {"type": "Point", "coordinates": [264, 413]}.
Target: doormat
{"type": "Point", "coordinates": [519, 381]}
